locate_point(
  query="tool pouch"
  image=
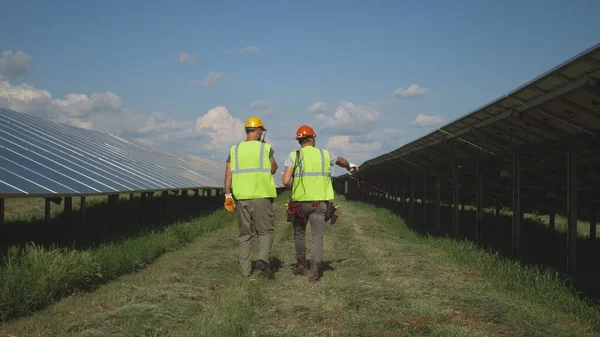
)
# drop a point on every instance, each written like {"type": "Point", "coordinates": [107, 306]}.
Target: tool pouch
{"type": "Point", "coordinates": [293, 211]}
{"type": "Point", "coordinates": [330, 214]}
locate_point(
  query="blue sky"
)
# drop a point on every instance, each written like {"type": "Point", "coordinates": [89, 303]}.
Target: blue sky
{"type": "Point", "coordinates": [127, 54]}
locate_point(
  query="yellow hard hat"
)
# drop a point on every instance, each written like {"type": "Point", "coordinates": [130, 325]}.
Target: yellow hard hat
{"type": "Point", "coordinates": [254, 122]}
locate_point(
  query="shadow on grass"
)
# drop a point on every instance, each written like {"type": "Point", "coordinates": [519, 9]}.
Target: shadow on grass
{"type": "Point", "coordinates": [540, 246]}
{"type": "Point", "coordinates": [104, 223]}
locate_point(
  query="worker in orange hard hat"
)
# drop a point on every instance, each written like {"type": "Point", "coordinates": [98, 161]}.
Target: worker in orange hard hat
{"type": "Point", "coordinates": [250, 189]}
{"type": "Point", "coordinates": [308, 174]}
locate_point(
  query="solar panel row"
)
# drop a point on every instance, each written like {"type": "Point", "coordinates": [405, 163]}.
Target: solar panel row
{"type": "Point", "coordinates": [43, 158]}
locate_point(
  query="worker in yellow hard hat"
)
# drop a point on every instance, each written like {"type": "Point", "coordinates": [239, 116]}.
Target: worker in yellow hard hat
{"type": "Point", "coordinates": [308, 174]}
{"type": "Point", "coordinates": [250, 189]}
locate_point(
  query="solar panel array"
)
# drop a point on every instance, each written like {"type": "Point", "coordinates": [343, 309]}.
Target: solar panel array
{"type": "Point", "coordinates": [536, 122]}
{"type": "Point", "coordinates": [42, 158]}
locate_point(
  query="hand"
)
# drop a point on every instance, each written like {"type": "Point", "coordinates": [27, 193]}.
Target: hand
{"type": "Point", "coordinates": [352, 167]}
{"type": "Point", "coordinates": [229, 202]}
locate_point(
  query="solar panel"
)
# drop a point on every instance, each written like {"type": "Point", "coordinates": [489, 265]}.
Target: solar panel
{"type": "Point", "coordinates": [39, 157]}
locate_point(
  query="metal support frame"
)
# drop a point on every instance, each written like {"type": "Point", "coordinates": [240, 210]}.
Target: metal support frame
{"type": "Point", "coordinates": [82, 205]}
{"type": "Point", "coordinates": [479, 213]}
{"type": "Point", "coordinates": [424, 196]}
{"type": "Point", "coordinates": [142, 208]}
{"type": "Point", "coordinates": [455, 197]}
{"type": "Point", "coordinates": [438, 197]}
{"type": "Point", "coordinates": [46, 211]}
{"type": "Point", "coordinates": [403, 193]}
{"type": "Point", "coordinates": [389, 194]}
{"type": "Point", "coordinates": [165, 197]}
{"type": "Point", "coordinates": [412, 195]}
{"type": "Point", "coordinates": [396, 196]}
{"type": "Point", "coordinates": [593, 225]}
{"type": "Point", "coordinates": [517, 213]}
{"type": "Point", "coordinates": [1, 211]}
{"type": "Point", "coordinates": [553, 220]}
{"type": "Point", "coordinates": [131, 196]}
{"type": "Point", "coordinates": [68, 210]}
{"type": "Point", "coordinates": [196, 192]}
{"type": "Point", "coordinates": [572, 210]}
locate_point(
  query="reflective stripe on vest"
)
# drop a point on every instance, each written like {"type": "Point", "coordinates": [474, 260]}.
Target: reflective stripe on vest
{"type": "Point", "coordinates": [251, 171]}
{"type": "Point", "coordinates": [301, 172]}
{"type": "Point", "coordinates": [262, 168]}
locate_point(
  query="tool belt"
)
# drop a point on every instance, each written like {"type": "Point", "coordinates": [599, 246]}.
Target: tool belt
{"type": "Point", "coordinates": [293, 210]}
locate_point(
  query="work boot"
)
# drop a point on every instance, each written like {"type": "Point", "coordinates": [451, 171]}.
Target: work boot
{"type": "Point", "coordinates": [300, 267]}
{"type": "Point", "coordinates": [265, 268]}
{"type": "Point", "coordinates": [313, 273]}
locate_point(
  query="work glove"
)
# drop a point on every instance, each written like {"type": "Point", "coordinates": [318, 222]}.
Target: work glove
{"type": "Point", "coordinates": [229, 202]}
{"type": "Point", "coordinates": [352, 167]}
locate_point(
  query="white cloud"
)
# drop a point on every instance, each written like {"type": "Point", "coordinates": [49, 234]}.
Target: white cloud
{"type": "Point", "coordinates": [223, 128]}
{"type": "Point", "coordinates": [14, 65]}
{"type": "Point", "coordinates": [185, 58]}
{"type": "Point", "coordinates": [318, 107]}
{"type": "Point", "coordinates": [250, 49]}
{"type": "Point", "coordinates": [246, 50]}
{"type": "Point", "coordinates": [412, 91]}
{"type": "Point", "coordinates": [423, 120]}
{"type": "Point", "coordinates": [349, 118]}
{"type": "Point", "coordinates": [217, 129]}
{"type": "Point", "coordinates": [211, 80]}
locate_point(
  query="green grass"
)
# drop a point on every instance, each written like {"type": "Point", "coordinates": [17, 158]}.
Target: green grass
{"type": "Point", "coordinates": [33, 276]}
{"type": "Point", "coordinates": [379, 279]}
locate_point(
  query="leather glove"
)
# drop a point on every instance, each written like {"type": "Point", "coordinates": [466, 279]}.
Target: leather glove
{"type": "Point", "coordinates": [352, 167]}
{"type": "Point", "coordinates": [229, 202]}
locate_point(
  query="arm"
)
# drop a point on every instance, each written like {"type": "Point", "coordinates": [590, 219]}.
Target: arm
{"type": "Point", "coordinates": [342, 162]}
{"type": "Point", "coordinates": [227, 179]}
{"type": "Point", "coordinates": [287, 176]}
{"type": "Point", "coordinates": [274, 165]}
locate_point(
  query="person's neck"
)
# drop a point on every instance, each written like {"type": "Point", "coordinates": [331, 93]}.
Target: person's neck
{"type": "Point", "coordinates": [251, 138]}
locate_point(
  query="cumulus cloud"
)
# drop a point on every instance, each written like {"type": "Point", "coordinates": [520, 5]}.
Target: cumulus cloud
{"type": "Point", "coordinates": [412, 91]}
{"type": "Point", "coordinates": [358, 149]}
{"type": "Point", "coordinates": [318, 107]}
{"type": "Point", "coordinates": [185, 58]}
{"type": "Point", "coordinates": [211, 80]}
{"type": "Point", "coordinates": [14, 65]}
{"type": "Point", "coordinates": [216, 130]}
{"type": "Point", "coordinates": [221, 126]}
{"type": "Point", "coordinates": [423, 120]}
{"type": "Point", "coordinates": [350, 119]}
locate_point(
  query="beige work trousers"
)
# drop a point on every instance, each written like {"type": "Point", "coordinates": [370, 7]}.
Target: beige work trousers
{"type": "Point", "coordinates": [256, 218]}
{"type": "Point", "coordinates": [316, 216]}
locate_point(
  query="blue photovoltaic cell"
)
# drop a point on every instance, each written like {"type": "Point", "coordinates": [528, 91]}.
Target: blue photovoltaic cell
{"type": "Point", "coordinates": [39, 156]}
{"type": "Point", "coordinates": [19, 170]}
{"type": "Point", "coordinates": [7, 190]}
{"type": "Point", "coordinates": [24, 184]}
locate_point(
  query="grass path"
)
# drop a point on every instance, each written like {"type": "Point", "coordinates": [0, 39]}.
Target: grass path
{"type": "Point", "coordinates": [376, 282]}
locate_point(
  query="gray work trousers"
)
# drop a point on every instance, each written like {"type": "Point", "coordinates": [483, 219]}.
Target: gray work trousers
{"type": "Point", "coordinates": [256, 218]}
{"type": "Point", "coordinates": [316, 216]}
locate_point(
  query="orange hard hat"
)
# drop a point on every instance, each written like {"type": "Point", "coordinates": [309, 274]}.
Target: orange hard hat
{"type": "Point", "coordinates": [305, 131]}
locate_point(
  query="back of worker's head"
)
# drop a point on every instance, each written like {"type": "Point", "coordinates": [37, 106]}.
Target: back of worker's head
{"type": "Point", "coordinates": [305, 134]}
{"type": "Point", "coordinates": [254, 124]}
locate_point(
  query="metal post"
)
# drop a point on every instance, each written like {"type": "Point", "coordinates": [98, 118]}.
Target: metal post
{"type": "Point", "coordinates": [553, 221]}
{"type": "Point", "coordinates": [572, 210]}
{"type": "Point", "coordinates": [142, 208]}
{"type": "Point", "coordinates": [412, 194]}
{"type": "Point", "coordinates": [517, 214]}
{"type": "Point", "coordinates": [455, 201]}
{"type": "Point", "coordinates": [82, 208]}
{"type": "Point", "coordinates": [46, 211]}
{"type": "Point", "coordinates": [130, 196]}
{"type": "Point", "coordinates": [479, 215]}
{"type": "Point", "coordinates": [165, 196]}
{"type": "Point", "coordinates": [1, 211]}
{"type": "Point", "coordinates": [438, 197]}
{"type": "Point", "coordinates": [396, 196]}
{"type": "Point", "coordinates": [593, 226]}
{"type": "Point", "coordinates": [403, 192]}
{"type": "Point", "coordinates": [424, 197]}
{"type": "Point", "coordinates": [196, 192]}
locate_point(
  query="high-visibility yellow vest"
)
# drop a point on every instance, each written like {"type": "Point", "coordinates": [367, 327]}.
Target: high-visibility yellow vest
{"type": "Point", "coordinates": [251, 176]}
{"type": "Point", "coordinates": [312, 177]}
